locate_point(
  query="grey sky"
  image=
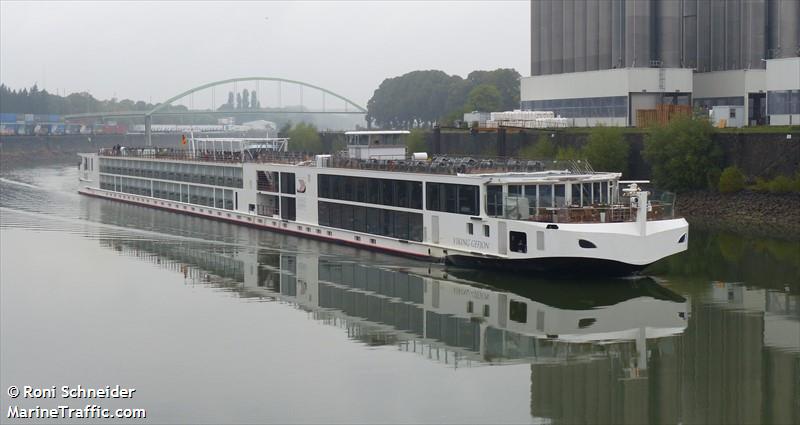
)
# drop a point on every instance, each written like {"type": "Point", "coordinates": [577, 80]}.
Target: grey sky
{"type": "Point", "coordinates": [152, 50]}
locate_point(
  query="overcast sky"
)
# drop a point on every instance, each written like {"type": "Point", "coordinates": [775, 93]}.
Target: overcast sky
{"type": "Point", "coordinates": [153, 50]}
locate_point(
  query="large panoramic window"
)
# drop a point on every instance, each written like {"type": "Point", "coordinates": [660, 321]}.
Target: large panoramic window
{"type": "Point", "coordinates": [453, 198]}
{"type": "Point", "coordinates": [377, 221]}
{"type": "Point", "coordinates": [194, 173]}
{"type": "Point", "coordinates": [395, 193]}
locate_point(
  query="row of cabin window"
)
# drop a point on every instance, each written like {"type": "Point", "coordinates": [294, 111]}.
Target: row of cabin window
{"type": "Point", "coordinates": [452, 198]}
{"type": "Point", "coordinates": [453, 331]}
{"type": "Point", "coordinates": [198, 195]}
{"type": "Point", "coordinates": [389, 283]}
{"type": "Point", "coordinates": [395, 193]}
{"type": "Point", "coordinates": [550, 195]}
{"type": "Point", "coordinates": [392, 312]}
{"type": "Point", "coordinates": [376, 221]}
{"type": "Point", "coordinates": [192, 173]}
{"type": "Point", "coordinates": [268, 181]}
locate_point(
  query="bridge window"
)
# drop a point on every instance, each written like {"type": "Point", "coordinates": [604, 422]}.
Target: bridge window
{"type": "Point", "coordinates": [531, 192]}
{"type": "Point", "coordinates": [586, 194]}
{"type": "Point", "coordinates": [560, 196]}
{"type": "Point", "coordinates": [518, 311]}
{"type": "Point", "coordinates": [596, 198]}
{"type": "Point", "coordinates": [518, 241]}
{"type": "Point", "coordinates": [576, 194]}
{"type": "Point", "coordinates": [494, 200]}
{"type": "Point", "coordinates": [545, 196]}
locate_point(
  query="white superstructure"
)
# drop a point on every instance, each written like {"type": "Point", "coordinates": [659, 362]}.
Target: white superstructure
{"type": "Point", "coordinates": [539, 215]}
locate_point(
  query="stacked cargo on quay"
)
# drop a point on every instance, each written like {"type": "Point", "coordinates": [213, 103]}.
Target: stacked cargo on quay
{"type": "Point", "coordinates": [552, 216]}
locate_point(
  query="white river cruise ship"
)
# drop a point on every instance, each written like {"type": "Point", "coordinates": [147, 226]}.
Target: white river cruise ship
{"type": "Point", "coordinates": [545, 216]}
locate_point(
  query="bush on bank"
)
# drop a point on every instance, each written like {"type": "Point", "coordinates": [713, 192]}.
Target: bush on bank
{"type": "Point", "coordinates": [780, 184]}
{"type": "Point", "coordinates": [544, 148]}
{"type": "Point", "coordinates": [681, 153]}
{"type": "Point", "coordinates": [607, 150]}
{"type": "Point", "coordinates": [731, 180]}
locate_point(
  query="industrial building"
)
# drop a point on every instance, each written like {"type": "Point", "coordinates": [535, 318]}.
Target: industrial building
{"type": "Point", "coordinates": [600, 61]}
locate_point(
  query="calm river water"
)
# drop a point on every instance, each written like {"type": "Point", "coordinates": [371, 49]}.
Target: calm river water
{"type": "Point", "coordinates": [211, 322]}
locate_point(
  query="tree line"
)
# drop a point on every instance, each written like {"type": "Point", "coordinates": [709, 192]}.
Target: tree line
{"type": "Point", "coordinates": [244, 100]}
{"type": "Point", "coordinates": [422, 98]}
{"type": "Point", "coordinates": [35, 101]}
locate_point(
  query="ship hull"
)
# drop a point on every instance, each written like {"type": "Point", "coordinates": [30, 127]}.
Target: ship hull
{"type": "Point", "coordinates": [567, 267]}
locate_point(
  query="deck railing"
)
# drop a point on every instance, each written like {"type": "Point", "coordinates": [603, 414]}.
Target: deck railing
{"type": "Point", "coordinates": [440, 164]}
{"type": "Point", "coordinates": [662, 207]}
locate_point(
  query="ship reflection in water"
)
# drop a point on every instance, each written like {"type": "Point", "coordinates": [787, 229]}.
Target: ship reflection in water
{"type": "Point", "coordinates": [456, 320]}
{"type": "Point", "coordinates": [623, 351]}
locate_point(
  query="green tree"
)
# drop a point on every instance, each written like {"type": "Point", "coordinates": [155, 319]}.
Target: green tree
{"type": "Point", "coordinates": [305, 138]}
{"type": "Point", "coordinates": [420, 98]}
{"type": "Point", "coordinates": [566, 153]}
{"type": "Point", "coordinates": [415, 98]}
{"type": "Point", "coordinates": [607, 150]}
{"type": "Point", "coordinates": [505, 80]}
{"type": "Point", "coordinates": [283, 131]}
{"type": "Point", "coordinates": [731, 180]}
{"type": "Point", "coordinates": [681, 153]}
{"type": "Point", "coordinates": [415, 142]}
{"type": "Point", "coordinates": [484, 97]}
{"type": "Point", "coordinates": [453, 116]}
{"type": "Point", "coordinates": [245, 99]}
{"type": "Point", "coordinates": [544, 148]}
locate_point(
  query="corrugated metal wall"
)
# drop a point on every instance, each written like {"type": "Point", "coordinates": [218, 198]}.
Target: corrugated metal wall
{"type": "Point", "coordinates": [592, 37]}
{"type": "Point", "coordinates": [709, 35]}
{"type": "Point", "coordinates": [604, 34]}
{"type": "Point", "coordinates": [535, 36]}
{"type": "Point", "coordinates": [579, 8]}
{"type": "Point", "coordinates": [568, 27]}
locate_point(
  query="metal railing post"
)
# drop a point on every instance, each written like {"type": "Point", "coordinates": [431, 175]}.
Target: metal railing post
{"type": "Point", "coordinates": [147, 133]}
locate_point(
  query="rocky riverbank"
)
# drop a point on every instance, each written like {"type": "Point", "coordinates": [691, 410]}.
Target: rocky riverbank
{"type": "Point", "coordinates": [765, 214]}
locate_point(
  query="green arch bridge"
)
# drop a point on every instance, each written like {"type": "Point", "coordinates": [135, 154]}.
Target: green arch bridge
{"type": "Point", "coordinates": [350, 107]}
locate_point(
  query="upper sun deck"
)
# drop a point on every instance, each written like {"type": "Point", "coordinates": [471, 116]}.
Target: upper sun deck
{"type": "Point", "coordinates": [501, 170]}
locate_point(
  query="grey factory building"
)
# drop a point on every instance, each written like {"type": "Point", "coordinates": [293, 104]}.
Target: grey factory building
{"type": "Point", "coordinates": [599, 61]}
